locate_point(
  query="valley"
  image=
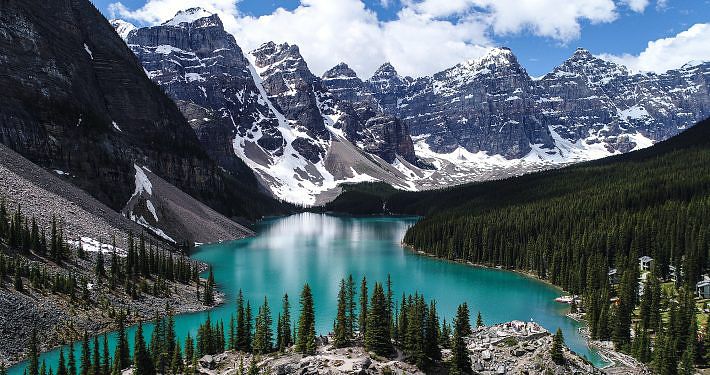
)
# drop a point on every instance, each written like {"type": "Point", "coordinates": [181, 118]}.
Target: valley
{"type": "Point", "coordinates": [158, 181]}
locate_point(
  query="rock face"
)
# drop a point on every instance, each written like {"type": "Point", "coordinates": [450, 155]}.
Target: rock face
{"type": "Point", "coordinates": [275, 115]}
{"type": "Point", "coordinates": [585, 108]}
{"type": "Point", "coordinates": [76, 99]}
{"type": "Point", "coordinates": [482, 119]}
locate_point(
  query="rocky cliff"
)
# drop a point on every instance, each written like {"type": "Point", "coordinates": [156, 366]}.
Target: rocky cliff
{"type": "Point", "coordinates": [76, 99]}
{"type": "Point", "coordinates": [271, 113]}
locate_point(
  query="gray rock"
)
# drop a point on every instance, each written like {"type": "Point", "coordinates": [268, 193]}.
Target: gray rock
{"type": "Point", "coordinates": [208, 362]}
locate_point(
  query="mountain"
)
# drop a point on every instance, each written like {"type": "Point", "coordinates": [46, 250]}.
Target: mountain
{"type": "Point", "coordinates": [271, 114]}
{"type": "Point", "coordinates": [76, 99]}
{"type": "Point", "coordinates": [487, 118]}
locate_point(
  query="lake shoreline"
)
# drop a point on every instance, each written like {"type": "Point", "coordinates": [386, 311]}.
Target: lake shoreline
{"type": "Point", "coordinates": [607, 353]}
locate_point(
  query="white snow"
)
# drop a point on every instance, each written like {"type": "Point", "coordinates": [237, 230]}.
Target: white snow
{"type": "Point", "coordinates": [187, 16]}
{"type": "Point", "coordinates": [142, 182]}
{"type": "Point", "coordinates": [91, 245]}
{"type": "Point", "coordinates": [122, 27]}
{"type": "Point", "coordinates": [636, 112]}
{"type": "Point", "coordinates": [191, 77]}
{"type": "Point", "coordinates": [88, 51]}
{"type": "Point", "coordinates": [115, 126]}
{"type": "Point", "coordinates": [151, 208]}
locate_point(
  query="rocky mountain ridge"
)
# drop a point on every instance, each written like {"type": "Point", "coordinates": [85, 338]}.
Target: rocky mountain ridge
{"type": "Point", "coordinates": [271, 113]}
{"type": "Point", "coordinates": [485, 118]}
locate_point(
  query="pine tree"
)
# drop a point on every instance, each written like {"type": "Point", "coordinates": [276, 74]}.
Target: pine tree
{"type": "Point", "coordinates": [33, 357]}
{"type": "Point", "coordinates": [445, 337]}
{"type": "Point", "coordinates": [556, 350]}
{"type": "Point", "coordinates": [350, 296]}
{"type": "Point", "coordinates": [242, 329]}
{"type": "Point", "coordinates": [306, 340]}
{"type": "Point", "coordinates": [479, 320]}
{"type": "Point", "coordinates": [687, 361]}
{"type": "Point", "coordinates": [362, 322]}
{"type": "Point", "coordinates": [106, 367]}
{"type": "Point", "coordinates": [143, 364]}
{"type": "Point", "coordinates": [189, 348]}
{"type": "Point", "coordinates": [96, 365]}
{"type": "Point", "coordinates": [208, 293]}
{"type": "Point", "coordinates": [340, 327]}
{"type": "Point", "coordinates": [377, 334]}
{"type": "Point", "coordinates": [460, 360]}
{"type": "Point", "coordinates": [122, 358]}
{"type": "Point", "coordinates": [72, 360]}
{"type": "Point", "coordinates": [253, 369]}
{"type": "Point", "coordinates": [85, 365]}
{"type": "Point", "coordinates": [286, 338]}
{"type": "Point", "coordinates": [431, 341]}
{"type": "Point", "coordinates": [61, 366]}
{"type": "Point", "coordinates": [263, 336]}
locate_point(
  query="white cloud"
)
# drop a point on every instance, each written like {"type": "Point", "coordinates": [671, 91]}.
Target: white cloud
{"type": "Point", "coordinates": [669, 53]}
{"type": "Point", "coordinates": [555, 19]}
{"type": "Point", "coordinates": [426, 35]}
{"type": "Point", "coordinates": [637, 5]}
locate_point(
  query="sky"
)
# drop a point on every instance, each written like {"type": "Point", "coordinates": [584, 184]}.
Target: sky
{"type": "Point", "coordinates": [421, 37]}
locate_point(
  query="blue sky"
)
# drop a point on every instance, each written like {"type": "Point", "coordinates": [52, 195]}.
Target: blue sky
{"type": "Point", "coordinates": [622, 33]}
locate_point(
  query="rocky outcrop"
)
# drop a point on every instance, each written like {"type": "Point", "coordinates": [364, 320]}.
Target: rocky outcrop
{"type": "Point", "coordinates": [509, 348]}
{"type": "Point", "coordinates": [77, 100]}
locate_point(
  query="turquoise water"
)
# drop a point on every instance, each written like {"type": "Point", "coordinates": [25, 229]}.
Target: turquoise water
{"type": "Point", "coordinates": [322, 249]}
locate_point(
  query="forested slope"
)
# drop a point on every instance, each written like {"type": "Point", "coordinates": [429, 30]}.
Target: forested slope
{"type": "Point", "coordinates": [562, 223]}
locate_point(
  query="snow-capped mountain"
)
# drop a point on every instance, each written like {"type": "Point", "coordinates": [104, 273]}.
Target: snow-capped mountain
{"type": "Point", "coordinates": [487, 118]}
{"type": "Point", "coordinates": [484, 118]}
{"type": "Point", "coordinates": [491, 104]}
{"type": "Point", "coordinates": [271, 113]}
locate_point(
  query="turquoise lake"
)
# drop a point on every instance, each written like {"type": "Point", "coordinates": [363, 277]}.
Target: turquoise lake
{"type": "Point", "coordinates": [322, 249]}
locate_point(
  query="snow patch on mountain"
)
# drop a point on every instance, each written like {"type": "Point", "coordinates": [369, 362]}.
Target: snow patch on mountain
{"type": "Point", "coordinates": [187, 16]}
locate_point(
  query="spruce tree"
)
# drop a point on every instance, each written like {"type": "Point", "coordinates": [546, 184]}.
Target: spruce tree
{"type": "Point", "coordinates": [460, 360]}
{"type": "Point", "coordinates": [479, 320]}
{"type": "Point", "coordinates": [350, 296]}
{"type": "Point", "coordinates": [340, 327]}
{"type": "Point", "coordinates": [431, 340]}
{"type": "Point", "coordinates": [85, 365]}
{"type": "Point", "coordinates": [362, 321]}
{"type": "Point", "coordinates": [208, 293]}
{"type": "Point", "coordinates": [143, 364]}
{"type": "Point", "coordinates": [61, 366]}
{"type": "Point", "coordinates": [556, 349]}
{"type": "Point", "coordinates": [286, 324]}
{"type": "Point", "coordinates": [72, 360]}
{"type": "Point", "coordinates": [242, 330]}
{"type": "Point", "coordinates": [33, 356]}
{"type": "Point", "coordinates": [445, 337]}
{"type": "Point", "coordinates": [189, 348]}
{"type": "Point", "coordinates": [96, 364]}
{"type": "Point", "coordinates": [377, 334]}
{"type": "Point", "coordinates": [106, 367]}
{"type": "Point", "coordinates": [263, 336]}
{"type": "Point", "coordinates": [306, 340]}
{"type": "Point", "coordinates": [122, 357]}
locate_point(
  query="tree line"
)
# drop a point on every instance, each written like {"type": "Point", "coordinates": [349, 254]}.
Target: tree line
{"type": "Point", "coordinates": [378, 323]}
{"type": "Point", "coordinates": [27, 247]}
{"type": "Point", "coordinates": [584, 229]}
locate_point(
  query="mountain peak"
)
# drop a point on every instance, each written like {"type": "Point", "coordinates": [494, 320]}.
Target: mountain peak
{"type": "Point", "coordinates": [582, 53]}
{"type": "Point", "coordinates": [188, 16]}
{"type": "Point", "coordinates": [339, 71]}
{"type": "Point", "coordinates": [499, 56]}
{"type": "Point", "coordinates": [123, 28]}
{"type": "Point", "coordinates": [386, 70]}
